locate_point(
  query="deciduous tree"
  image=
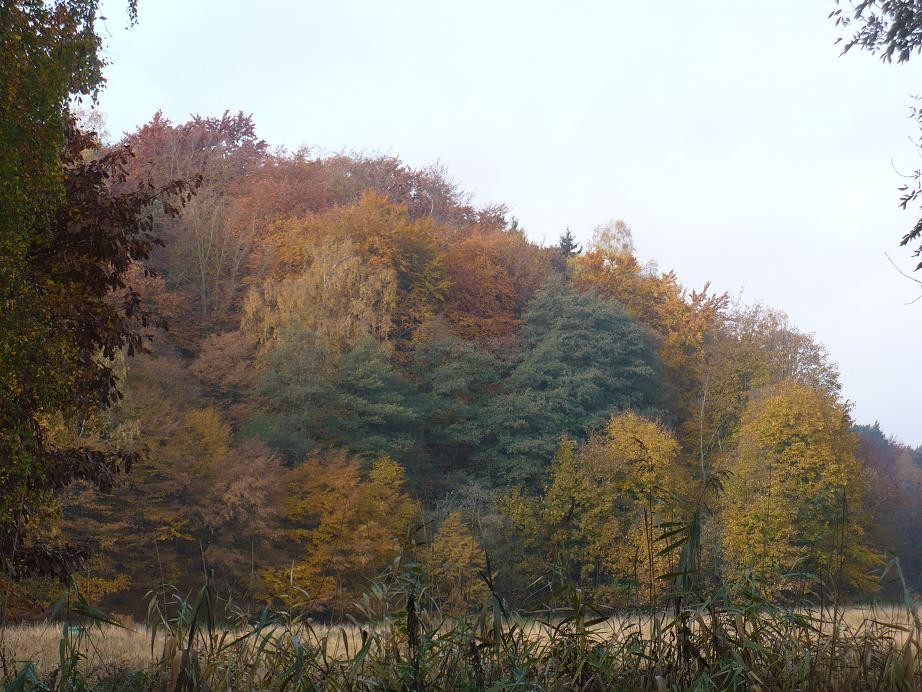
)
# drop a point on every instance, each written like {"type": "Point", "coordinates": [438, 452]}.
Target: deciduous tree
{"type": "Point", "coordinates": [348, 526]}
{"type": "Point", "coordinates": [455, 563]}
{"type": "Point", "coordinates": [598, 521]}
{"type": "Point", "coordinates": [792, 505]}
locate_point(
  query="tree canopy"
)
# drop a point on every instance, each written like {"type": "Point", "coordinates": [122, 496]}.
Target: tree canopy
{"type": "Point", "coordinates": [360, 363]}
{"type": "Point", "coordinates": [581, 360]}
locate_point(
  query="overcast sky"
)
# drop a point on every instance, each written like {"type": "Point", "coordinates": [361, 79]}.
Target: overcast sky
{"type": "Point", "coordinates": [729, 134]}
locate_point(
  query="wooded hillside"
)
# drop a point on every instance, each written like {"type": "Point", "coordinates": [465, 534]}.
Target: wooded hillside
{"type": "Point", "coordinates": [358, 359]}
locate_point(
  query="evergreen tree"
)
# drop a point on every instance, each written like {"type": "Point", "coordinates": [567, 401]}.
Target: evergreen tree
{"type": "Point", "coordinates": [453, 378]}
{"type": "Point", "coordinates": [357, 401]}
{"type": "Point", "coordinates": [568, 247]}
{"type": "Point", "coordinates": [582, 361]}
{"type": "Point", "coordinates": [296, 377]}
{"type": "Point", "coordinates": [372, 411]}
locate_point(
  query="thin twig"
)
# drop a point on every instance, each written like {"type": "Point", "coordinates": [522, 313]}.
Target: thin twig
{"type": "Point", "coordinates": [904, 274]}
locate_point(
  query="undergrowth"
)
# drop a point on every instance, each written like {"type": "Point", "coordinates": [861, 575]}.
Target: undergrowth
{"type": "Point", "coordinates": [400, 639]}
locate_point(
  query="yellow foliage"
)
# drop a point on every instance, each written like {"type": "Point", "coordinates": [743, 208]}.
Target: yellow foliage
{"type": "Point", "coordinates": [203, 439]}
{"type": "Point", "coordinates": [95, 588]}
{"type": "Point", "coordinates": [647, 454]}
{"type": "Point", "coordinates": [338, 296]}
{"type": "Point", "coordinates": [601, 511]}
{"type": "Point", "coordinates": [638, 467]}
{"type": "Point", "coordinates": [373, 270]}
{"type": "Point", "coordinates": [454, 561]}
{"type": "Point", "coordinates": [792, 502]}
{"type": "Point", "coordinates": [347, 526]}
{"type": "Point", "coordinates": [756, 348]}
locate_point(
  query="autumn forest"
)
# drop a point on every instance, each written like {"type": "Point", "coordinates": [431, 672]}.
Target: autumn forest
{"type": "Point", "coordinates": [294, 377]}
{"type": "Point", "coordinates": [350, 353]}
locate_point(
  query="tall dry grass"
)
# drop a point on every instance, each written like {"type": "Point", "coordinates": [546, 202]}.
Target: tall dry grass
{"type": "Point", "coordinates": [402, 641]}
{"type": "Point", "coordinates": [127, 647]}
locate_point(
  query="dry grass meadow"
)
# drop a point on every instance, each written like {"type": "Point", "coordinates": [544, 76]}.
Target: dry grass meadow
{"type": "Point", "coordinates": [135, 647]}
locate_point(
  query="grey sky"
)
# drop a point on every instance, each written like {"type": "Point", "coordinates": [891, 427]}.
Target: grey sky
{"type": "Point", "coordinates": [729, 134]}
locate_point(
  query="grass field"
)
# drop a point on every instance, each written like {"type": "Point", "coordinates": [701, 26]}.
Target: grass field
{"type": "Point", "coordinates": [860, 647]}
{"type": "Point", "coordinates": [102, 646]}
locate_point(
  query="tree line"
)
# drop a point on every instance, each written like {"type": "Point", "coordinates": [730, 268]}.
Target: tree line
{"type": "Point", "coordinates": [311, 364]}
{"type": "Point", "coordinates": [354, 350]}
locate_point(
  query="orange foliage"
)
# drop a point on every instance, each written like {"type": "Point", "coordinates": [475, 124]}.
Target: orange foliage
{"type": "Point", "coordinates": [347, 523]}
{"type": "Point", "coordinates": [492, 276]}
{"type": "Point", "coordinates": [385, 238]}
{"type": "Point", "coordinates": [659, 301]}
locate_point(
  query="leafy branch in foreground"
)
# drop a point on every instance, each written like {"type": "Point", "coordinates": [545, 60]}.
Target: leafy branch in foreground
{"type": "Point", "coordinates": [71, 316]}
